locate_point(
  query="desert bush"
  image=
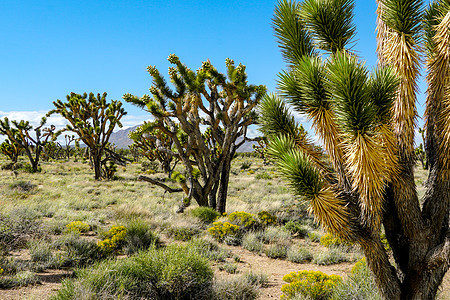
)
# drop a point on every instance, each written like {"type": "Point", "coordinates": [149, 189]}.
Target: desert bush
{"type": "Point", "coordinates": [237, 288]}
{"type": "Point", "coordinates": [18, 227]}
{"type": "Point", "coordinates": [205, 214]}
{"type": "Point", "coordinates": [174, 272]}
{"type": "Point", "coordinates": [251, 242]}
{"type": "Point", "coordinates": [278, 250]}
{"type": "Point", "coordinates": [78, 251]}
{"type": "Point", "coordinates": [314, 236]}
{"type": "Point", "coordinates": [22, 186]}
{"type": "Point", "coordinates": [313, 284]}
{"type": "Point", "coordinates": [220, 230]}
{"type": "Point", "coordinates": [299, 254]}
{"type": "Point", "coordinates": [183, 233]}
{"type": "Point", "coordinates": [256, 279]}
{"type": "Point", "coordinates": [296, 228]}
{"type": "Point", "coordinates": [41, 252]}
{"type": "Point", "coordinates": [359, 285]}
{"type": "Point", "coordinates": [209, 249]}
{"type": "Point", "coordinates": [266, 218]}
{"type": "Point", "coordinates": [274, 234]}
{"type": "Point", "coordinates": [244, 220]}
{"type": "Point", "coordinates": [245, 165]}
{"type": "Point", "coordinates": [330, 257]}
{"type": "Point", "coordinates": [139, 236]}
{"type": "Point", "coordinates": [115, 239]}
{"type": "Point", "coordinates": [77, 227]}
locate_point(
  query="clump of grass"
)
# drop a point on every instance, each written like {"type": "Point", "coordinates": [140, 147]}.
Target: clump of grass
{"type": "Point", "coordinates": [139, 236]}
{"type": "Point", "coordinates": [275, 251]}
{"type": "Point", "coordinates": [23, 278]}
{"type": "Point", "coordinates": [174, 272]}
{"type": "Point", "coordinates": [209, 249]}
{"type": "Point", "coordinates": [256, 279]}
{"type": "Point", "coordinates": [296, 228]}
{"type": "Point", "coordinates": [330, 257]}
{"type": "Point", "coordinates": [230, 268]}
{"type": "Point", "coordinates": [251, 242]}
{"type": "Point", "coordinates": [77, 251]}
{"type": "Point", "coordinates": [41, 252]}
{"type": "Point", "coordinates": [314, 236]}
{"type": "Point", "coordinates": [299, 254]}
{"type": "Point", "coordinates": [263, 175]}
{"type": "Point", "coordinates": [22, 186]}
{"type": "Point", "coordinates": [183, 233]}
{"type": "Point", "coordinates": [205, 214]}
{"type": "Point", "coordinates": [237, 288]}
{"type": "Point", "coordinates": [274, 234]}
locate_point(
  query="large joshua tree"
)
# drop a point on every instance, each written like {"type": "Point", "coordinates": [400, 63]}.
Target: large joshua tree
{"type": "Point", "coordinates": [364, 182]}
{"type": "Point", "coordinates": [204, 117]}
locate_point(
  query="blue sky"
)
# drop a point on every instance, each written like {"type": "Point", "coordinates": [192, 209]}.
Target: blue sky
{"type": "Point", "coordinates": [52, 48]}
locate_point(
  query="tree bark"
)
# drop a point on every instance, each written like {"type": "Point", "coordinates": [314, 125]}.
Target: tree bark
{"type": "Point", "coordinates": [223, 187]}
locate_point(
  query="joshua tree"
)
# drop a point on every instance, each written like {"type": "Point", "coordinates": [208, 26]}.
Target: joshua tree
{"type": "Point", "coordinates": [366, 121]}
{"type": "Point", "coordinates": [11, 149]}
{"type": "Point", "coordinates": [147, 140]}
{"type": "Point", "coordinates": [20, 134]}
{"type": "Point", "coordinates": [208, 100]}
{"type": "Point", "coordinates": [93, 120]}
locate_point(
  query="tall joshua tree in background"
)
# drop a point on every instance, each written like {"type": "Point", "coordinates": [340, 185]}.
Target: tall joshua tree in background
{"type": "Point", "coordinates": [204, 117]}
{"type": "Point", "coordinates": [366, 122]}
{"type": "Point", "coordinates": [93, 119]}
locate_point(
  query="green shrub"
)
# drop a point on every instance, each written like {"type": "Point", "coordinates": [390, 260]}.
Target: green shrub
{"type": "Point", "coordinates": [17, 227]}
{"type": "Point", "coordinates": [77, 227]}
{"type": "Point", "coordinates": [313, 284]}
{"type": "Point", "coordinates": [220, 230]}
{"type": "Point", "coordinates": [174, 272]}
{"type": "Point", "coordinates": [330, 257]}
{"type": "Point", "coordinates": [139, 236]}
{"type": "Point", "coordinates": [246, 165]}
{"type": "Point", "coordinates": [205, 214]}
{"type": "Point", "coordinates": [358, 285]}
{"type": "Point", "coordinates": [299, 255]}
{"type": "Point", "coordinates": [251, 242]}
{"type": "Point", "coordinates": [266, 218]}
{"type": "Point", "coordinates": [314, 236]}
{"type": "Point", "coordinates": [183, 233]}
{"type": "Point", "coordinates": [296, 228]}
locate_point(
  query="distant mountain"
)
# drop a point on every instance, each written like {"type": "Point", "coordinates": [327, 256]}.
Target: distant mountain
{"type": "Point", "coordinates": [121, 140]}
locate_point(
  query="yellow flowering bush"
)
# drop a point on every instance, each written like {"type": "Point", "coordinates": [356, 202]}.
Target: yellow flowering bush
{"type": "Point", "coordinates": [77, 227]}
{"type": "Point", "coordinates": [314, 284]}
{"type": "Point", "coordinates": [220, 230]}
{"type": "Point", "coordinates": [243, 218]}
{"type": "Point", "coordinates": [266, 218]}
{"type": "Point", "coordinates": [329, 240]}
{"type": "Point", "coordinates": [1, 270]}
{"type": "Point", "coordinates": [115, 239]}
